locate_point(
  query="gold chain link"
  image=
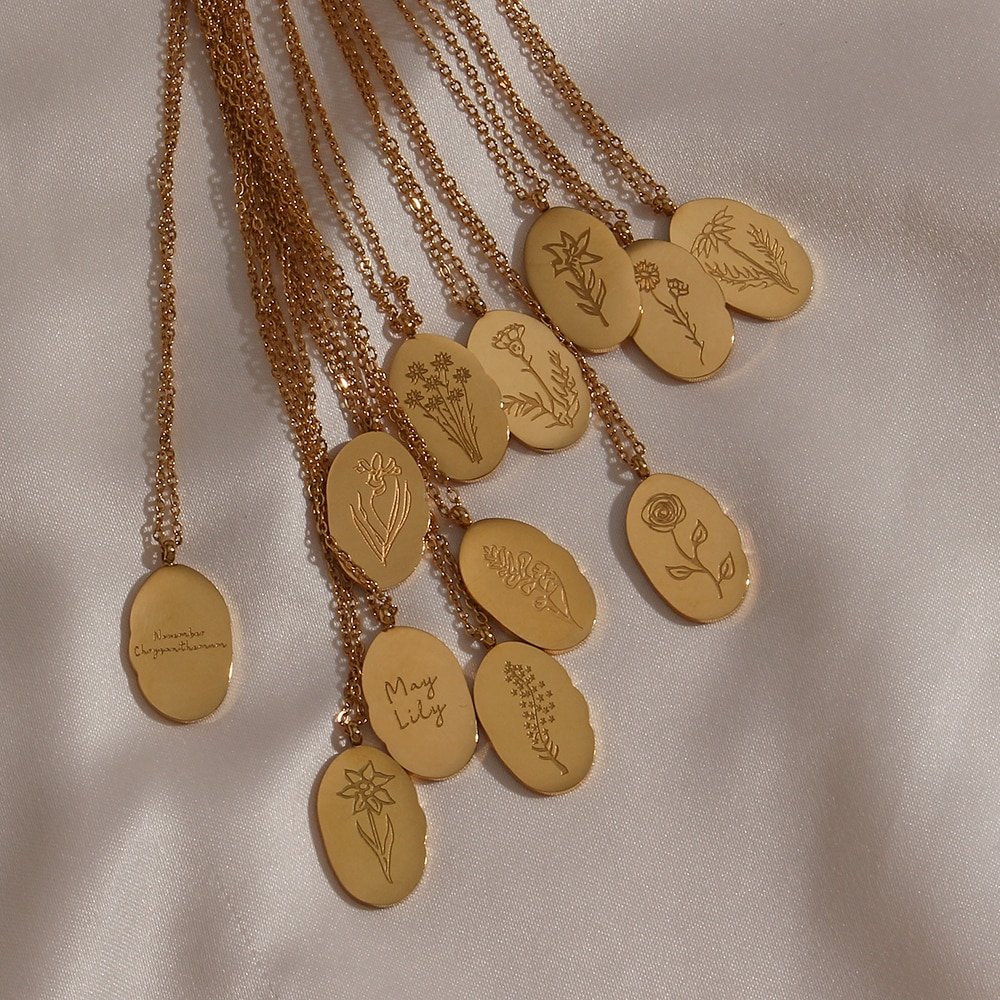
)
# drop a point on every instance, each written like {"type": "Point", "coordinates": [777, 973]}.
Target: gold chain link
{"type": "Point", "coordinates": [647, 189]}
{"type": "Point", "coordinates": [343, 15]}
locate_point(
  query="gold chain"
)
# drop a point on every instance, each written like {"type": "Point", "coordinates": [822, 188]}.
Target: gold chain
{"type": "Point", "coordinates": [168, 531]}
{"type": "Point", "coordinates": [647, 189]}
{"type": "Point", "coordinates": [579, 189]}
{"type": "Point", "coordinates": [281, 238]}
{"type": "Point", "coordinates": [341, 14]}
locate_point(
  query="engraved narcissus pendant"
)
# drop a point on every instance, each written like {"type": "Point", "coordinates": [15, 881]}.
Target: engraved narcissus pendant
{"type": "Point", "coordinates": [181, 643]}
{"type": "Point", "coordinates": [762, 271]}
{"type": "Point", "coordinates": [536, 719]}
{"type": "Point", "coordinates": [373, 828]}
{"type": "Point", "coordinates": [453, 403]}
{"type": "Point", "coordinates": [544, 395]}
{"type": "Point", "coordinates": [419, 702]}
{"type": "Point", "coordinates": [582, 278]}
{"type": "Point", "coordinates": [688, 547]}
{"type": "Point", "coordinates": [377, 507]}
{"type": "Point", "coordinates": [529, 584]}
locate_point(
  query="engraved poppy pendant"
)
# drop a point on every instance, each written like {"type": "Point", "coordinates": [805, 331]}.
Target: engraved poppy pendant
{"type": "Point", "coordinates": [582, 278]}
{"type": "Point", "coordinates": [536, 719]}
{"type": "Point", "coordinates": [453, 403]}
{"type": "Point", "coordinates": [529, 584]}
{"type": "Point", "coordinates": [688, 547]}
{"type": "Point", "coordinates": [686, 329]}
{"type": "Point", "coordinates": [181, 643]}
{"type": "Point", "coordinates": [419, 702]}
{"type": "Point", "coordinates": [544, 395]}
{"type": "Point", "coordinates": [762, 271]}
{"type": "Point", "coordinates": [373, 828]}
{"type": "Point", "coordinates": [377, 506]}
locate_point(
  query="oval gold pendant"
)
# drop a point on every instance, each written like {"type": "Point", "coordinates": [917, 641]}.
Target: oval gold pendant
{"type": "Point", "coordinates": [686, 329]}
{"type": "Point", "coordinates": [374, 831]}
{"type": "Point", "coordinates": [544, 395]}
{"type": "Point", "coordinates": [536, 719]}
{"type": "Point", "coordinates": [762, 271]}
{"type": "Point", "coordinates": [688, 547]}
{"type": "Point", "coordinates": [453, 403]}
{"type": "Point", "coordinates": [531, 585]}
{"type": "Point", "coordinates": [582, 278]}
{"type": "Point", "coordinates": [377, 506]}
{"type": "Point", "coordinates": [419, 702]}
{"type": "Point", "coordinates": [181, 643]}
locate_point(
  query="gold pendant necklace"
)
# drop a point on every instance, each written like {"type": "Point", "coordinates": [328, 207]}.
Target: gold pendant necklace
{"type": "Point", "coordinates": [180, 631]}
{"type": "Point", "coordinates": [562, 249]}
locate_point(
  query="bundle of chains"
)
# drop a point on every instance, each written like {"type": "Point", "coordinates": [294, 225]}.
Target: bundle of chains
{"type": "Point", "coordinates": [443, 412]}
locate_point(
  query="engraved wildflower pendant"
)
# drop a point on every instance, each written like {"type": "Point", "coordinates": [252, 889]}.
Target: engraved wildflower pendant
{"type": "Point", "coordinates": [762, 271]}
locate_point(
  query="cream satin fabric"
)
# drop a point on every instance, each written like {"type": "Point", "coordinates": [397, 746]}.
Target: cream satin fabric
{"type": "Point", "coordinates": [798, 804]}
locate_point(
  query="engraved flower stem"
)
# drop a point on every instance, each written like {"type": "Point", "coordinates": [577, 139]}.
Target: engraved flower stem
{"type": "Point", "coordinates": [529, 369]}
{"type": "Point", "coordinates": [683, 319]}
{"type": "Point", "coordinates": [774, 275]}
{"type": "Point", "coordinates": [699, 566]}
{"type": "Point", "coordinates": [580, 274]}
{"type": "Point", "coordinates": [542, 734]}
{"type": "Point", "coordinates": [384, 857]}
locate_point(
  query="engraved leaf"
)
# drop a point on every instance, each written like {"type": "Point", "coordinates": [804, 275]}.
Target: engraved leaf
{"type": "Point", "coordinates": [390, 836]}
{"type": "Point", "coordinates": [680, 572]}
{"type": "Point", "coordinates": [368, 839]}
{"type": "Point", "coordinates": [727, 568]}
{"type": "Point", "coordinates": [700, 534]}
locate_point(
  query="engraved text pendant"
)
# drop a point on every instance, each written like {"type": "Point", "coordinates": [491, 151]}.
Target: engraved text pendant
{"type": "Point", "coordinates": [687, 546]}
{"type": "Point", "coordinates": [453, 403]}
{"type": "Point", "coordinates": [377, 507]}
{"type": "Point", "coordinates": [373, 828]}
{"type": "Point", "coordinates": [419, 702]}
{"type": "Point", "coordinates": [761, 269]}
{"type": "Point", "coordinates": [181, 643]}
{"type": "Point", "coordinates": [547, 402]}
{"type": "Point", "coordinates": [531, 585]}
{"type": "Point", "coordinates": [582, 278]}
{"type": "Point", "coordinates": [686, 329]}
{"type": "Point", "coordinates": [537, 721]}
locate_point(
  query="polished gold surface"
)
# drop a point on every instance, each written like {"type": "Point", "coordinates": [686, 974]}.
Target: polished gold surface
{"type": "Point", "coordinates": [688, 547]}
{"type": "Point", "coordinates": [686, 329]}
{"type": "Point", "coordinates": [531, 585]}
{"type": "Point", "coordinates": [373, 828]}
{"type": "Point", "coordinates": [377, 508]}
{"type": "Point", "coordinates": [762, 271]}
{"type": "Point", "coordinates": [419, 702]}
{"type": "Point", "coordinates": [544, 394]}
{"type": "Point", "coordinates": [536, 719]}
{"type": "Point", "coordinates": [181, 643]}
{"type": "Point", "coordinates": [453, 403]}
{"type": "Point", "coordinates": [582, 278]}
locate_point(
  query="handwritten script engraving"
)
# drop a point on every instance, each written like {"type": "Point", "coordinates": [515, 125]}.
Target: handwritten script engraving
{"type": "Point", "coordinates": [184, 641]}
{"type": "Point", "coordinates": [417, 701]}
